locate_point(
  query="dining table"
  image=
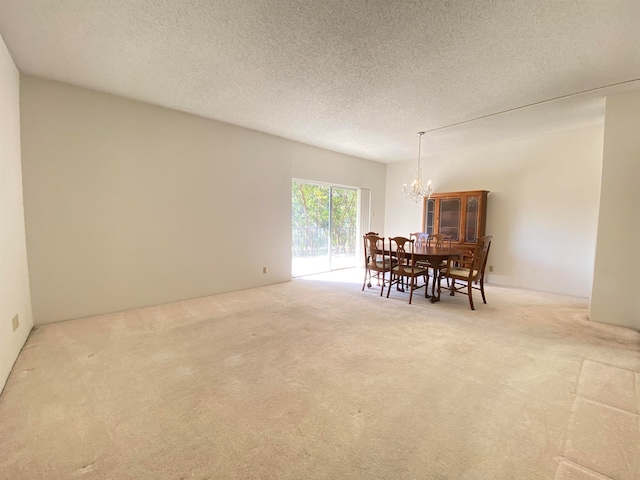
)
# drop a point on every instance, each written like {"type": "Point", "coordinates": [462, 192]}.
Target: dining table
{"type": "Point", "coordinates": [434, 257]}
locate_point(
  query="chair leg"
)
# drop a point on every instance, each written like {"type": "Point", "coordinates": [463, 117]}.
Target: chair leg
{"type": "Point", "coordinates": [390, 283]}
{"type": "Point", "coordinates": [382, 289]}
{"type": "Point", "coordinates": [482, 289]}
{"type": "Point", "coordinates": [365, 278]}
{"type": "Point", "coordinates": [453, 287]}
{"type": "Point", "coordinates": [413, 279]}
{"type": "Point", "coordinates": [470, 295]}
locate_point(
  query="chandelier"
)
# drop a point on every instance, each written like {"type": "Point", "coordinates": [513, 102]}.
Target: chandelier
{"type": "Point", "coordinates": [416, 191]}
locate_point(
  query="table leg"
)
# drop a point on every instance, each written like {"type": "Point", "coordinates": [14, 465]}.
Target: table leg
{"type": "Point", "coordinates": [432, 297]}
{"type": "Point", "coordinates": [436, 279]}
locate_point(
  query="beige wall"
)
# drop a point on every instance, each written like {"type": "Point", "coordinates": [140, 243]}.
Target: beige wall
{"type": "Point", "coordinates": [615, 297]}
{"type": "Point", "coordinates": [129, 204]}
{"type": "Point", "coordinates": [542, 209]}
{"type": "Point", "coordinates": [14, 279]}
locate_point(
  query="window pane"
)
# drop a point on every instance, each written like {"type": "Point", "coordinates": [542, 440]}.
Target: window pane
{"type": "Point", "coordinates": [310, 228]}
{"type": "Point", "coordinates": [344, 219]}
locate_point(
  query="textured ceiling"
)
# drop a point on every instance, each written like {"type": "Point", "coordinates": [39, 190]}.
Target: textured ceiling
{"type": "Point", "coordinates": [355, 76]}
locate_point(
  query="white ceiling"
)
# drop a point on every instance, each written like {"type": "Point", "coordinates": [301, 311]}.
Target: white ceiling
{"type": "Point", "coordinates": [355, 76]}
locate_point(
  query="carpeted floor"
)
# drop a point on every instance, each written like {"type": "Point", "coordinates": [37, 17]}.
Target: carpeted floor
{"type": "Point", "coordinates": [313, 379]}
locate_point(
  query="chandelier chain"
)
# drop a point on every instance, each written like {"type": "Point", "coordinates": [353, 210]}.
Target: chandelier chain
{"type": "Point", "coordinates": [416, 191]}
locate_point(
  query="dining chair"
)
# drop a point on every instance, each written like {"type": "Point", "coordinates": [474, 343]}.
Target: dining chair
{"type": "Point", "coordinates": [377, 260]}
{"type": "Point", "coordinates": [439, 240]}
{"type": "Point", "coordinates": [421, 238]}
{"type": "Point", "coordinates": [469, 270]}
{"type": "Point", "coordinates": [406, 266]}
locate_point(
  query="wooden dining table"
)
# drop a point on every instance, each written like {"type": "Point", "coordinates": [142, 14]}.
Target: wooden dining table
{"type": "Point", "coordinates": [435, 257]}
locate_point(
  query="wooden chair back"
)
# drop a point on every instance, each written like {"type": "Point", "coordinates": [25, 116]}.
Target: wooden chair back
{"type": "Point", "coordinates": [440, 240]}
{"type": "Point", "coordinates": [404, 252]}
{"type": "Point", "coordinates": [482, 254]}
{"type": "Point", "coordinates": [373, 251]}
{"type": "Point", "coordinates": [421, 238]}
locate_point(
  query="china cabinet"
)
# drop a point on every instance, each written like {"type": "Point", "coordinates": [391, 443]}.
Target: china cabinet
{"type": "Point", "coordinates": [462, 215]}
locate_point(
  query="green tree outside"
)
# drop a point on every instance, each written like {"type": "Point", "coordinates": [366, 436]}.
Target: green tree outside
{"type": "Point", "coordinates": [311, 219]}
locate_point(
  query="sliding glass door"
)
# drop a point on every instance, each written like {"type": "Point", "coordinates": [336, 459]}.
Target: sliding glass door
{"type": "Point", "coordinates": [324, 221]}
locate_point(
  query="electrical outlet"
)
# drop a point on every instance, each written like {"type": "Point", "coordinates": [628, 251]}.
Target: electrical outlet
{"type": "Point", "coordinates": [491, 268]}
{"type": "Point", "coordinates": [15, 322]}
{"type": "Point", "coordinates": [265, 270]}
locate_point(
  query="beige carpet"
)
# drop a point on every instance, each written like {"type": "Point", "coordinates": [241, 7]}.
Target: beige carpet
{"type": "Point", "coordinates": [312, 379]}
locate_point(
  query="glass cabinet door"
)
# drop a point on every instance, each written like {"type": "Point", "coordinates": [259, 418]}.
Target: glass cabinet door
{"type": "Point", "coordinates": [450, 218]}
{"type": "Point", "coordinates": [471, 220]}
{"type": "Point", "coordinates": [430, 216]}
